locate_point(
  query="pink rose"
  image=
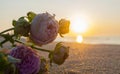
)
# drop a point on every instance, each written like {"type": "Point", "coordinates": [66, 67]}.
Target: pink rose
{"type": "Point", "coordinates": [30, 60]}
{"type": "Point", "coordinates": [44, 29]}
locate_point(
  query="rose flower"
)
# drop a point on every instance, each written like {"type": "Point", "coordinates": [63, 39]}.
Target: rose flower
{"type": "Point", "coordinates": [44, 29]}
{"type": "Point", "coordinates": [30, 61]}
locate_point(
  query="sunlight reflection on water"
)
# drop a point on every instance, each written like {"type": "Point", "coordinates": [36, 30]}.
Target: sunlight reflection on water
{"type": "Point", "coordinates": [92, 40]}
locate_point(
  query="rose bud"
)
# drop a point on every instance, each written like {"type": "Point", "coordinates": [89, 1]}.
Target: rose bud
{"type": "Point", "coordinates": [63, 26]}
{"type": "Point", "coordinates": [44, 29]}
{"type": "Point", "coordinates": [60, 54]}
{"type": "Point", "coordinates": [21, 27]}
{"type": "Point", "coordinates": [30, 60]}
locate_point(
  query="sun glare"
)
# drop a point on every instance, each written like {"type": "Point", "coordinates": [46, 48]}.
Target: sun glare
{"type": "Point", "coordinates": [79, 39]}
{"type": "Point", "coordinates": [78, 25]}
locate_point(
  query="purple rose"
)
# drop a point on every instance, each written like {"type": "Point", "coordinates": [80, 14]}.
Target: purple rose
{"type": "Point", "coordinates": [44, 29]}
{"type": "Point", "coordinates": [30, 60]}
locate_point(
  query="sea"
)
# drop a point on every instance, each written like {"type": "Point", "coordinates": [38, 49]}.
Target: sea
{"type": "Point", "coordinates": [89, 40]}
{"type": "Point", "coordinates": [93, 40]}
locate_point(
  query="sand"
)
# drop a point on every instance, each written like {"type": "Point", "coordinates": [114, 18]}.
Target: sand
{"type": "Point", "coordinates": [88, 59]}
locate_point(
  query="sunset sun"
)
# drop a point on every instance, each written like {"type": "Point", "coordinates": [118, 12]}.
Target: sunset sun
{"type": "Point", "coordinates": [79, 25]}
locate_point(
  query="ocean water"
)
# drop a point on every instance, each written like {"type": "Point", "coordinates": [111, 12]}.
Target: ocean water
{"type": "Point", "coordinates": [93, 40]}
{"type": "Point", "coordinates": [89, 40]}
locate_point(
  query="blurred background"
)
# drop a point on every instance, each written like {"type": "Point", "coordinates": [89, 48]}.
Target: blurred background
{"type": "Point", "coordinates": [92, 21]}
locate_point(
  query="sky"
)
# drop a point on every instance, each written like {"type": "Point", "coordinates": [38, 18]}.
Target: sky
{"type": "Point", "coordinates": [103, 16]}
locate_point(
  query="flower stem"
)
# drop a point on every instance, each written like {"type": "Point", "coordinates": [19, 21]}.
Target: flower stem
{"type": "Point", "coordinates": [33, 46]}
{"type": "Point", "coordinates": [6, 30]}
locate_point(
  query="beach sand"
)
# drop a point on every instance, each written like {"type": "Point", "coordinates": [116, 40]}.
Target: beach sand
{"type": "Point", "coordinates": [88, 59]}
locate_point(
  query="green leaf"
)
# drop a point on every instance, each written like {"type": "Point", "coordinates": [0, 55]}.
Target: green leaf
{"type": "Point", "coordinates": [11, 69]}
{"type": "Point", "coordinates": [5, 66]}
{"type": "Point", "coordinates": [30, 16]}
{"type": "Point", "coordinates": [13, 60]}
{"type": "Point", "coordinates": [1, 45]}
{"type": "Point", "coordinates": [1, 72]}
{"type": "Point", "coordinates": [14, 22]}
{"type": "Point", "coordinates": [3, 62]}
{"type": "Point", "coordinates": [7, 38]}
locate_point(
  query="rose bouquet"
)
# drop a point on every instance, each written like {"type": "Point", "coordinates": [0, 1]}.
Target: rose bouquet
{"type": "Point", "coordinates": [38, 29]}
